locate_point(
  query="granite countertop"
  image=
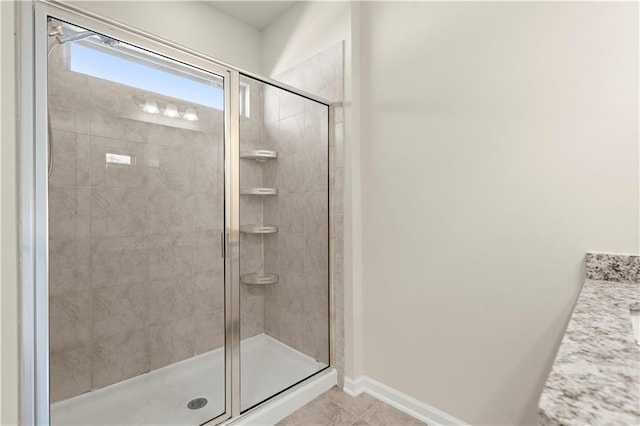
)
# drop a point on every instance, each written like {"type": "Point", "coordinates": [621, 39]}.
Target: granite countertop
{"type": "Point", "coordinates": [595, 379]}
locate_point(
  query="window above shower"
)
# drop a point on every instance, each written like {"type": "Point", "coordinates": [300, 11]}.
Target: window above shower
{"type": "Point", "coordinates": [167, 92]}
{"type": "Point", "coordinates": [124, 68]}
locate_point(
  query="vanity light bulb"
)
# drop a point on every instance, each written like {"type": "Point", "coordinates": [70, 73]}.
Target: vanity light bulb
{"type": "Point", "coordinates": [171, 111]}
{"type": "Point", "coordinates": [151, 107]}
{"type": "Point", "coordinates": [190, 115]}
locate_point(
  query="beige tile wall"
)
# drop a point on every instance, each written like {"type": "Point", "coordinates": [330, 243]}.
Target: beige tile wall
{"type": "Point", "coordinates": [136, 277]}
{"type": "Point", "coordinates": [251, 245]}
{"type": "Point", "coordinates": [136, 274]}
{"type": "Point", "coordinates": [297, 308]}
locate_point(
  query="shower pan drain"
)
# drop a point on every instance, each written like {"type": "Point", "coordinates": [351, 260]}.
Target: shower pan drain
{"type": "Point", "coordinates": [197, 403]}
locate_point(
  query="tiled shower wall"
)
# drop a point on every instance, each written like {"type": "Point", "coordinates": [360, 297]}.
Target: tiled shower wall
{"type": "Point", "coordinates": [136, 273]}
{"type": "Point", "coordinates": [136, 277]}
{"type": "Point", "coordinates": [251, 207]}
{"type": "Point", "coordinates": [297, 308]}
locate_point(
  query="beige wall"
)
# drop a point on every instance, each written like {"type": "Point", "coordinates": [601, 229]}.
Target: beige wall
{"type": "Point", "coordinates": [193, 24]}
{"type": "Point", "coordinates": [2, 122]}
{"type": "Point", "coordinates": [301, 32]}
{"type": "Point", "coordinates": [501, 144]}
{"type": "Point", "coordinates": [353, 338]}
{"type": "Point", "coordinates": [8, 222]}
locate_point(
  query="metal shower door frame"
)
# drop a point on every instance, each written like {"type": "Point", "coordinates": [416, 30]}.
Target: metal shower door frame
{"type": "Point", "coordinates": [32, 39]}
{"type": "Point", "coordinates": [34, 198]}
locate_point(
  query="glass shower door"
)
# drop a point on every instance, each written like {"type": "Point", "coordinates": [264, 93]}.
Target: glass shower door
{"type": "Point", "coordinates": [136, 214]}
{"type": "Point", "coordinates": [284, 240]}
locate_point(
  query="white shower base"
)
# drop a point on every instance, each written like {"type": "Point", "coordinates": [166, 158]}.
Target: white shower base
{"type": "Point", "coordinates": [159, 397]}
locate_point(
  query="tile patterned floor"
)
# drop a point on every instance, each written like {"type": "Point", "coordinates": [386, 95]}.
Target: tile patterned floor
{"type": "Point", "coordinates": [335, 407]}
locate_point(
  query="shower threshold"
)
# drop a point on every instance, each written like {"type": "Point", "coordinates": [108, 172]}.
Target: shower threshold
{"type": "Point", "coordinates": [160, 397]}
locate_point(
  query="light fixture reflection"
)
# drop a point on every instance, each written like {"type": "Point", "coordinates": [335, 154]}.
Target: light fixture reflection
{"type": "Point", "coordinates": [190, 115]}
{"type": "Point", "coordinates": [171, 111]}
{"type": "Point", "coordinates": [151, 107]}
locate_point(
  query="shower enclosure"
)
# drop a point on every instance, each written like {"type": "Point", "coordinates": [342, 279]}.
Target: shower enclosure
{"type": "Point", "coordinates": [181, 217]}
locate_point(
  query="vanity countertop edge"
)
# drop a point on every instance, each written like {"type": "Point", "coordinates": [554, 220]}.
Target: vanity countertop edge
{"type": "Point", "coordinates": [595, 378]}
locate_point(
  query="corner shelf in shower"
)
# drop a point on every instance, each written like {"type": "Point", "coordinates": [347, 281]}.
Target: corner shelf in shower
{"type": "Point", "coordinates": [259, 154]}
{"type": "Point", "coordinates": [258, 279]}
{"type": "Point", "coordinates": [259, 191]}
{"type": "Point", "coordinates": [257, 229]}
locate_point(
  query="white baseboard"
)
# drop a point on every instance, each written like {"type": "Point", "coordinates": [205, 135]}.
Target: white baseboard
{"type": "Point", "coordinates": [401, 401]}
{"type": "Point", "coordinates": [286, 404]}
{"type": "Point", "coordinates": [354, 387]}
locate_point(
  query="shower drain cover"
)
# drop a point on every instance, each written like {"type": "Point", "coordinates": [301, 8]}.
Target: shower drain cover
{"type": "Point", "coordinates": [197, 403]}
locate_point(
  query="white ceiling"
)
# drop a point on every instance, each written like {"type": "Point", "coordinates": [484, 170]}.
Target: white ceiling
{"type": "Point", "coordinates": [257, 14]}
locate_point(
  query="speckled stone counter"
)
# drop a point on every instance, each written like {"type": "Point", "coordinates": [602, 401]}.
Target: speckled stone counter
{"type": "Point", "coordinates": [595, 379]}
{"type": "Point", "coordinates": [621, 268]}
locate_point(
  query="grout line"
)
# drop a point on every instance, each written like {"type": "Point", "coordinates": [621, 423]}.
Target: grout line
{"type": "Point", "coordinates": [349, 411]}
{"type": "Point", "coordinates": [331, 401]}
{"type": "Point", "coordinates": [92, 337]}
{"type": "Point", "coordinates": [344, 408]}
{"type": "Point", "coordinates": [370, 408]}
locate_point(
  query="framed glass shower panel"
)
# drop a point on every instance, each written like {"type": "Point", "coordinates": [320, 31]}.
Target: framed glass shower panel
{"type": "Point", "coordinates": [284, 240]}
{"type": "Point", "coordinates": [110, 184]}
{"type": "Point", "coordinates": [136, 223]}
